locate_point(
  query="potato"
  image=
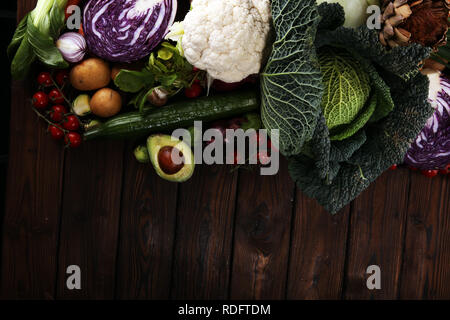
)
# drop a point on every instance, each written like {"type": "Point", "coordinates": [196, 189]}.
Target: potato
{"type": "Point", "coordinates": [106, 103]}
{"type": "Point", "coordinates": [90, 74]}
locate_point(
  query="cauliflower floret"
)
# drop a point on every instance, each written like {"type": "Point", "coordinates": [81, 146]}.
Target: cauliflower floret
{"type": "Point", "coordinates": [227, 38]}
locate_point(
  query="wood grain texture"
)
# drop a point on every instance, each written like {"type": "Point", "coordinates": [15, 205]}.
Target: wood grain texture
{"type": "Point", "coordinates": [426, 260]}
{"type": "Point", "coordinates": [30, 225]}
{"type": "Point", "coordinates": [262, 235]}
{"type": "Point", "coordinates": [318, 250]}
{"type": "Point", "coordinates": [376, 236]}
{"type": "Point", "coordinates": [147, 232]}
{"type": "Point", "coordinates": [90, 218]}
{"type": "Point", "coordinates": [205, 217]}
{"type": "Point", "coordinates": [31, 218]}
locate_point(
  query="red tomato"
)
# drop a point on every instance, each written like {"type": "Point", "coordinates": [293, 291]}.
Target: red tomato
{"type": "Point", "coordinates": [446, 170]}
{"type": "Point", "coordinates": [73, 140]}
{"type": "Point", "coordinates": [56, 96]}
{"type": "Point", "coordinates": [194, 91]}
{"type": "Point", "coordinates": [71, 123]}
{"type": "Point", "coordinates": [430, 173]}
{"type": "Point", "coordinates": [57, 133]}
{"type": "Point", "coordinates": [45, 79]}
{"type": "Point", "coordinates": [61, 77]}
{"type": "Point", "coordinates": [393, 167]}
{"type": "Point", "coordinates": [57, 113]}
{"type": "Point", "coordinates": [40, 100]}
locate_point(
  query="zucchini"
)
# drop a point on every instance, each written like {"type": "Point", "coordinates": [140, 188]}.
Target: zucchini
{"type": "Point", "coordinates": [176, 115]}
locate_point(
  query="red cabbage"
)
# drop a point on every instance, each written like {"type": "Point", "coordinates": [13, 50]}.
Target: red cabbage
{"type": "Point", "coordinates": [431, 149]}
{"type": "Point", "coordinates": [126, 30]}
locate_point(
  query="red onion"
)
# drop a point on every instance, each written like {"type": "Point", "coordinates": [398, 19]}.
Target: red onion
{"type": "Point", "coordinates": [72, 46]}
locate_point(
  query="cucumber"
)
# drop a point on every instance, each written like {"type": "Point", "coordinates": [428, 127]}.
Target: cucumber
{"type": "Point", "coordinates": [176, 115]}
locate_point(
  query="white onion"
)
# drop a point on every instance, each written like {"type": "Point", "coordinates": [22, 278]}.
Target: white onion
{"type": "Point", "coordinates": [72, 46]}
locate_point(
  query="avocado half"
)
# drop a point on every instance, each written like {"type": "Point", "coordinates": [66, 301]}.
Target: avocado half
{"type": "Point", "coordinates": [156, 142]}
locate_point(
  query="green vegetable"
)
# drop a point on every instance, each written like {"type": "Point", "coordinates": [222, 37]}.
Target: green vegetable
{"type": "Point", "coordinates": [35, 38]}
{"type": "Point", "coordinates": [166, 69]}
{"type": "Point", "coordinates": [336, 172]}
{"type": "Point", "coordinates": [291, 84]}
{"type": "Point", "coordinates": [177, 115]}
{"type": "Point", "coordinates": [82, 105]}
{"type": "Point", "coordinates": [141, 154]}
{"type": "Point", "coordinates": [347, 86]}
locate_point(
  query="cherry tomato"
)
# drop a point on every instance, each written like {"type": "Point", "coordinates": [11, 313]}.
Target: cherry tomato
{"type": "Point", "coordinates": [56, 96]}
{"type": "Point", "coordinates": [61, 77]}
{"type": "Point", "coordinates": [393, 167]}
{"type": "Point", "coordinates": [73, 140]}
{"type": "Point", "coordinates": [45, 79]}
{"type": "Point", "coordinates": [446, 170]}
{"type": "Point", "coordinates": [40, 100]}
{"type": "Point", "coordinates": [57, 133]}
{"type": "Point", "coordinates": [430, 173]}
{"type": "Point", "coordinates": [71, 123]}
{"type": "Point", "coordinates": [194, 91]}
{"type": "Point", "coordinates": [57, 113]}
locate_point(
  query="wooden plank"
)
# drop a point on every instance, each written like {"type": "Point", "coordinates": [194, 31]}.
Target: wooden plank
{"type": "Point", "coordinates": [90, 218]}
{"type": "Point", "coordinates": [426, 260]}
{"type": "Point", "coordinates": [318, 248]}
{"type": "Point", "coordinates": [147, 233]}
{"type": "Point", "coordinates": [262, 235]}
{"type": "Point", "coordinates": [378, 220]}
{"type": "Point", "coordinates": [205, 215]}
{"type": "Point", "coordinates": [30, 228]}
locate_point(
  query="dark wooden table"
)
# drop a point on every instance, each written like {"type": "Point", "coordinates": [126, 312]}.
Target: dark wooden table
{"type": "Point", "coordinates": [221, 235]}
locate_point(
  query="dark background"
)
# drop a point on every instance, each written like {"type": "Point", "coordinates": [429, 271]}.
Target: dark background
{"type": "Point", "coordinates": [8, 12]}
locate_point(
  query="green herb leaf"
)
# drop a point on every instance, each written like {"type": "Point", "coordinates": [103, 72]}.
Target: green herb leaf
{"type": "Point", "coordinates": [134, 81]}
{"type": "Point", "coordinates": [291, 83]}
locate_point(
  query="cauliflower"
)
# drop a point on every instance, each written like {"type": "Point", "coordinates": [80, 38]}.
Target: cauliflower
{"type": "Point", "coordinates": [227, 38]}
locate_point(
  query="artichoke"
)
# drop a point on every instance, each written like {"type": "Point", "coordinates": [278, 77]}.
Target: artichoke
{"type": "Point", "coordinates": [414, 21]}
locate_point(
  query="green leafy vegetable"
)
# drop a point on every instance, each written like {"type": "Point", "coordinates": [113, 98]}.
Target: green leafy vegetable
{"type": "Point", "coordinates": [35, 38]}
{"type": "Point", "coordinates": [167, 70]}
{"type": "Point", "coordinates": [347, 86]}
{"type": "Point", "coordinates": [333, 159]}
{"type": "Point", "coordinates": [291, 83]}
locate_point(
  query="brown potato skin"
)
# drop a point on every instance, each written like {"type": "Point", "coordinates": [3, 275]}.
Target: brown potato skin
{"type": "Point", "coordinates": [106, 103]}
{"type": "Point", "coordinates": [90, 74]}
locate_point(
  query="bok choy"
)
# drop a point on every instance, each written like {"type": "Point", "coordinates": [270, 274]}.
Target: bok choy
{"type": "Point", "coordinates": [35, 38]}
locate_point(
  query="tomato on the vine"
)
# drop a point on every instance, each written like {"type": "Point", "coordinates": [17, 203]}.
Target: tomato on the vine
{"type": "Point", "coordinates": [40, 100]}
{"type": "Point", "coordinates": [56, 96]}
{"type": "Point", "coordinates": [56, 133]}
{"type": "Point", "coordinates": [73, 139]}
{"type": "Point", "coordinates": [71, 123]}
{"type": "Point", "coordinates": [194, 91]}
{"type": "Point", "coordinates": [45, 79]}
{"type": "Point", "coordinates": [61, 77]}
{"type": "Point", "coordinates": [57, 113]}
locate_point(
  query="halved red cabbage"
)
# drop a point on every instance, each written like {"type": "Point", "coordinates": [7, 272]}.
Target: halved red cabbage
{"type": "Point", "coordinates": [126, 30]}
{"type": "Point", "coordinates": [431, 149]}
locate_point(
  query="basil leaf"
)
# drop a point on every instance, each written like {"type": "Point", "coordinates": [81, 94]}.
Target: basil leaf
{"type": "Point", "coordinates": [134, 81]}
{"type": "Point", "coordinates": [18, 36]}
{"type": "Point", "coordinates": [44, 47]}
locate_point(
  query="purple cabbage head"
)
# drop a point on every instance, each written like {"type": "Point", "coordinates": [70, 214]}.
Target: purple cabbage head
{"type": "Point", "coordinates": [126, 30]}
{"type": "Point", "coordinates": [431, 149]}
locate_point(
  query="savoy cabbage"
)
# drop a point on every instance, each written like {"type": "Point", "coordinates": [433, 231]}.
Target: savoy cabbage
{"type": "Point", "coordinates": [336, 172]}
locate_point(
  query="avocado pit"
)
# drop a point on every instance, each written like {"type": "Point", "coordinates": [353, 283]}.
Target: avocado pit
{"type": "Point", "coordinates": [167, 164]}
